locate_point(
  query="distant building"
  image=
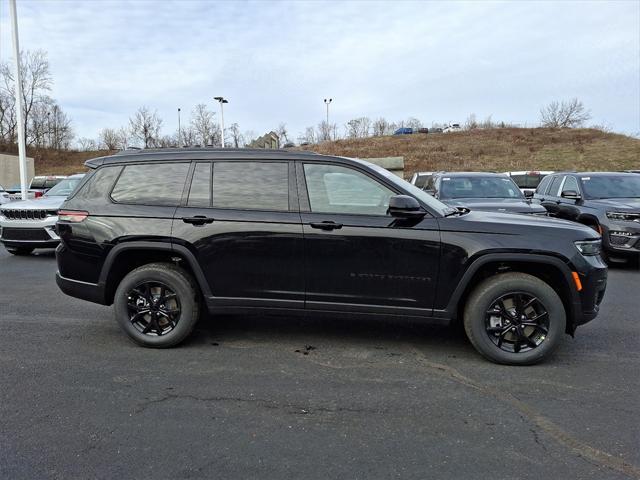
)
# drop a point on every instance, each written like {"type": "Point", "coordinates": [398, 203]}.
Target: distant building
{"type": "Point", "coordinates": [269, 140]}
{"type": "Point", "coordinates": [10, 169]}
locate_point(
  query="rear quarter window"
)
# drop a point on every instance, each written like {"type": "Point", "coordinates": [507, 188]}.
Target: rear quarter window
{"type": "Point", "coordinates": [98, 184]}
{"type": "Point", "coordinates": [151, 184]}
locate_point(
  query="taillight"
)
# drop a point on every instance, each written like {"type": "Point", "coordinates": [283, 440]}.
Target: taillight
{"type": "Point", "coordinates": [38, 194]}
{"type": "Point", "coordinates": [73, 216]}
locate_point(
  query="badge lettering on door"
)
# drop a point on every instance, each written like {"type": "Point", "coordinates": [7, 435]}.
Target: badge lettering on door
{"type": "Point", "coordinates": [381, 276]}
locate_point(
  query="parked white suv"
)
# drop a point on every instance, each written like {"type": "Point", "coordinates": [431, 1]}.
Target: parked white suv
{"type": "Point", "coordinates": [454, 127]}
{"type": "Point", "coordinates": [29, 224]}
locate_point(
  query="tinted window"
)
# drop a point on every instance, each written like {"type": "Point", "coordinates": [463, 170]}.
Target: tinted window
{"type": "Point", "coordinates": [611, 186]}
{"type": "Point", "coordinates": [422, 181]}
{"type": "Point", "coordinates": [64, 188]}
{"type": "Point", "coordinates": [99, 184]}
{"type": "Point", "coordinates": [151, 184]}
{"type": "Point", "coordinates": [478, 187]}
{"type": "Point", "coordinates": [542, 188]}
{"type": "Point", "coordinates": [336, 189]}
{"type": "Point", "coordinates": [529, 180]}
{"type": "Point", "coordinates": [37, 183]}
{"type": "Point", "coordinates": [251, 185]}
{"type": "Point", "coordinates": [570, 184]}
{"type": "Point", "coordinates": [555, 186]}
{"type": "Point", "coordinates": [200, 191]}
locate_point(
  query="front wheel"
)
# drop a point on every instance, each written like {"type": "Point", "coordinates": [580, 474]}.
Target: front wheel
{"type": "Point", "coordinates": [514, 319]}
{"type": "Point", "coordinates": [157, 305]}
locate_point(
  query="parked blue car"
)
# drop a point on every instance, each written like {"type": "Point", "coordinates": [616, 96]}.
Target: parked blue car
{"type": "Point", "coordinates": [403, 131]}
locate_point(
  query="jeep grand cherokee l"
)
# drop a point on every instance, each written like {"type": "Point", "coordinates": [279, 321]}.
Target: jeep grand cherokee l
{"type": "Point", "coordinates": [162, 234]}
{"type": "Point", "coordinates": [608, 202]}
{"type": "Point", "coordinates": [29, 224]}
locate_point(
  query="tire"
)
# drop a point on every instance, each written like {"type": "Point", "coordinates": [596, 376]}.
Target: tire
{"type": "Point", "coordinates": [506, 348]}
{"type": "Point", "coordinates": [19, 250]}
{"type": "Point", "coordinates": [141, 290]}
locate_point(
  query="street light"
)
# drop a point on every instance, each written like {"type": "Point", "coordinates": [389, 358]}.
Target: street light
{"type": "Point", "coordinates": [327, 101]}
{"type": "Point", "coordinates": [179, 132]}
{"type": "Point", "coordinates": [221, 101]}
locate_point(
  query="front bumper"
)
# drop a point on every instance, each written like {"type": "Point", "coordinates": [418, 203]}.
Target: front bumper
{"type": "Point", "coordinates": [621, 238]}
{"type": "Point", "coordinates": [594, 285]}
{"type": "Point", "coordinates": [29, 233]}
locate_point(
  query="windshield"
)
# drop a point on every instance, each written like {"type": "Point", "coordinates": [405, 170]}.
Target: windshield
{"type": "Point", "coordinates": [421, 195]}
{"type": "Point", "coordinates": [64, 188]}
{"type": "Point", "coordinates": [478, 187]}
{"type": "Point", "coordinates": [611, 186]}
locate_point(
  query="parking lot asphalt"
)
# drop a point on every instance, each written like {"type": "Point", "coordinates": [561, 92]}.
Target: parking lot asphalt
{"type": "Point", "coordinates": [273, 397]}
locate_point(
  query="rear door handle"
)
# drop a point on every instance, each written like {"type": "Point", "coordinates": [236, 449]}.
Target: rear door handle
{"type": "Point", "coordinates": [197, 220]}
{"type": "Point", "coordinates": [326, 225]}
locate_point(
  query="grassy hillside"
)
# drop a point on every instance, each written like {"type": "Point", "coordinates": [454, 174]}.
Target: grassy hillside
{"type": "Point", "coordinates": [498, 150]}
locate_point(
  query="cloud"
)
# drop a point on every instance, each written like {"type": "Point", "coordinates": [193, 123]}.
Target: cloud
{"type": "Point", "coordinates": [277, 61]}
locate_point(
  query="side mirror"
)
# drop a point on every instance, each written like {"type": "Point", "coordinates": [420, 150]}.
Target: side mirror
{"type": "Point", "coordinates": [528, 193]}
{"type": "Point", "coordinates": [571, 195]}
{"type": "Point", "coordinates": [404, 206]}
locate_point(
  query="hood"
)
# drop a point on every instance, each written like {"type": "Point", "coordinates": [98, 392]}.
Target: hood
{"type": "Point", "coordinates": [42, 203]}
{"type": "Point", "coordinates": [506, 205]}
{"type": "Point", "coordinates": [631, 204]}
{"type": "Point", "coordinates": [509, 223]}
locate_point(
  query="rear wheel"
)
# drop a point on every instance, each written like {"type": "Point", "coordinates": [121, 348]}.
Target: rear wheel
{"type": "Point", "coordinates": [19, 250]}
{"type": "Point", "coordinates": [514, 319]}
{"type": "Point", "coordinates": [157, 305]}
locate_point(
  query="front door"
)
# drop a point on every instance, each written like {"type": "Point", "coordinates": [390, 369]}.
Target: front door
{"type": "Point", "coordinates": [247, 234]}
{"type": "Point", "coordinates": [357, 257]}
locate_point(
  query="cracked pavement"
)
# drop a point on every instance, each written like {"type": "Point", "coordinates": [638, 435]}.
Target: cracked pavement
{"type": "Point", "coordinates": [273, 397]}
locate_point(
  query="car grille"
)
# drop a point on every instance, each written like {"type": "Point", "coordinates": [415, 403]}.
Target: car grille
{"type": "Point", "coordinates": [20, 214]}
{"type": "Point", "coordinates": [25, 234]}
{"type": "Point", "coordinates": [621, 239]}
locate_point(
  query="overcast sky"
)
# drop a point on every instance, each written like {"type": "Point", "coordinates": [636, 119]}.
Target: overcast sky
{"type": "Point", "coordinates": [276, 61]}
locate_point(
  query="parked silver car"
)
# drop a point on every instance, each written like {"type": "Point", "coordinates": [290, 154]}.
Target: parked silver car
{"type": "Point", "coordinates": [29, 224]}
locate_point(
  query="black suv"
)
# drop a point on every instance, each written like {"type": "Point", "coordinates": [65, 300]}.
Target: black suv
{"type": "Point", "coordinates": [163, 234]}
{"type": "Point", "coordinates": [607, 202]}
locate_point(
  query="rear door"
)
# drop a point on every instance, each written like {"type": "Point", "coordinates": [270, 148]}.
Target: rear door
{"type": "Point", "coordinates": [241, 221]}
{"type": "Point", "coordinates": [551, 199]}
{"type": "Point", "coordinates": [357, 257]}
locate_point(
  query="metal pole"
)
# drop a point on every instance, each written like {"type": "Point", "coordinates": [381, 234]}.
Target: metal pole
{"type": "Point", "coordinates": [19, 111]}
{"type": "Point", "coordinates": [179, 134]}
{"type": "Point", "coordinates": [222, 121]}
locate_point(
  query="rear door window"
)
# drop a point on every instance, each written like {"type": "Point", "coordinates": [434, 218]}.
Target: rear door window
{"type": "Point", "coordinates": [544, 184]}
{"type": "Point", "coordinates": [151, 184]}
{"type": "Point", "coordinates": [555, 186]}
{"type": "Point", "coordinates": [251, 185]}
{"type": "Point", "coordinates": [200, 191]}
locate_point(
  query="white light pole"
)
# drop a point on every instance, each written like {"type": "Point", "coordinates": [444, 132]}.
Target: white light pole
{"type": "Point", "coordinates": [221, 101]}
{"type": "Point", "coordinates": [327, 101]}
{"type": "Point", "coordinates": [179, 131]}
{"type": "Point", "coordinates": [19, 111]}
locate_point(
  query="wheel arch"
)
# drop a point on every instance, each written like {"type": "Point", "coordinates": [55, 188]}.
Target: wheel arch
{"type": "Point", "coordinates": [552, 270]}
{"type": "Point", "coordinates": [125, 257]}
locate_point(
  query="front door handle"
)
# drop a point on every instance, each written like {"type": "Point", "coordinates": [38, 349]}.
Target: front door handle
{"type": "Point", "coordinates": [326, 225]}
{"type": "Point", "coordinates": [197, 220]}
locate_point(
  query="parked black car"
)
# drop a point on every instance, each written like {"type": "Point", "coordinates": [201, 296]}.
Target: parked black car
{"type": "Point", "coordinates": [607, 202]}
{"type": "Point", "coordinates": [162, 234]}
{"type": "Point", "coordinates": [493, 192]}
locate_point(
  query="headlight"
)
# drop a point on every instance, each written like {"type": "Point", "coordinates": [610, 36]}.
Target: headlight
{"type": "Point", "coordinates": [588, 247]}
{"type": "Point", "coordinates": [623, 216]}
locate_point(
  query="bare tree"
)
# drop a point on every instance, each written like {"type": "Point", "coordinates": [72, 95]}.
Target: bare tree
{"type": "Point", "coordinates": [282, 133]}
{"type": "Point", "coordinates": [358, 127]}
{"type": "Point", "coordinates": [413, 123]}
{"type": "Point", "coordinates": [236, 136]}
{"type": "Point", "coordinates": [565, 114]}
{"type": "Point", "coordinates": [87, 144]}
{"type": "Point", "coordinates": [124, 136]}
{"type": "Point", "coordinates": [145, 126]}
{"type": "Point", "coordinates": [110, 138]}
{"type": "Point", "coordinates": [471, 122]}
{"type": "Point", "coordinates": [488, 123]}
{"type": "Point", "coordinates": [381, 127]}
{"type": "Point", "coordinates": [309, 136]}
{"type": "Point", "coordinates": [248, 137]}
{"type": "Point", "coordinates": [36, 82]}
{"type": "Point", "coordinates": [205, 130]}
{"type": "Point", "coordinates": [327, 131]}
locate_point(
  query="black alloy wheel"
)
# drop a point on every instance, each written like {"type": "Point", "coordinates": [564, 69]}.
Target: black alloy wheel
{"type": "Point", "coordinates": [154, 308]}
{"type": "Point", "coordinates": [517, 322]}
